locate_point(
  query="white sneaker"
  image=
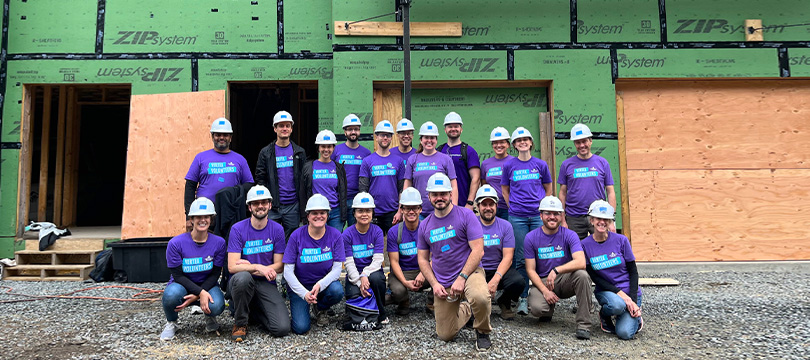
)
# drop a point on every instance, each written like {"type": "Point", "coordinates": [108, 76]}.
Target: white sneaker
{"type": "Point", "coordinates": [196, 310]}
{"type": "Point", "coordinates": [211, 324]}
{"type": "Point", "coordinates": [523, 306]}
{"type": "Point", "coordinates": [168, 331]}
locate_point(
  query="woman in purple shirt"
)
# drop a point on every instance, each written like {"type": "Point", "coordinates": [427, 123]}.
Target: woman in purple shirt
{"type": "Point", "coordinates": [612, 266]}
{"type": "Point", "coordinates": [328, 178]}
{"type": "Point", "coordinates": [426, 162]}
{"type": "Point", "coordinates": [492, 168]}
{"type": "Point", "coordinates": [365, 252]}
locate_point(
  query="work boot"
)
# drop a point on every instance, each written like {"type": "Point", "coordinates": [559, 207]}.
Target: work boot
{"type": "Point", "coordinates": [404, 308]}
{"type": "Point", "coordinates": [321, 317]}
{"type": "Point", "coordinates": [211, 324]}
{"type": "Point", "coordinates": [523, 306]}
{"type": "Point", "coordinates": [607, 324]}
{"type": "Point", "coordinates": [168, 331]}
{"type": "Point", "coordinates": [506, 311]}
{"type": "Point", "coordinates": [429, 304]}
{"type": "Point", "coordinates": [239, 333]}
{"type": "Point", "coordinates": [583, 334]}
{"type": "Point", "coordinates": [482, 342]}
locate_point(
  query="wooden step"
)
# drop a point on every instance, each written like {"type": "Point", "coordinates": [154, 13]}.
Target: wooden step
{"type": "Point", "coordinates": [38, 278]}
{"type": "Point", "coordinates": [49, 272]}
{"type": "Point", "coordinates": [56, 257]}
{"type": "Point", "coordinates": [69, 243]}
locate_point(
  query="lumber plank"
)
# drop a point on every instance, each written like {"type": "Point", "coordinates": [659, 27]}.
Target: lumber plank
{"type": "Point", "coordinates": [43, 159]}
{"type": "Point", "coordinates": [390, 28]}
{"type": "Point", "coordinates": [547, 152]}
{"type": "Point", "coordinates": [60, 158]}
{"type": "Point", "coordinates": [27, 139]}
{"type": "Point", "coordinates": [69, 203]}
{"type": "Point", "coordinates": [625, 197]}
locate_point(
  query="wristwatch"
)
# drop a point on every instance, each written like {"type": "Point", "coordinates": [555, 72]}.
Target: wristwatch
{"type": "Point", "coordinates": [469, 202]}
{"type": "Point", "coordinates": [463, 275]}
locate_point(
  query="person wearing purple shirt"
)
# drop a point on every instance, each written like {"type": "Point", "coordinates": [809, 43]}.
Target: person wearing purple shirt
{"type": "Point", "coordinates": [255, 250]}
{"type": "Point", "coordinates": [426, 162]}
{"type": "Point", "coordinates": [382, 176]}
{"type": "Point", "coordinates": [526, 180]}
{"type": "Point", "coordinates": [492, 168]}
{"type": "Point", "coordinates": [312, 261]}
{"type": "Point", "coordinates": [555, 264]}
{"type": "Point", "coordinates": [450, 247]}
{"type": "Point", "coordinates": [612, 267]}
{"type": "Point", "coordinates": [465, 160]}
{"type": "Point", "coordinates": [402, 254]}
{"type": "Point", "coordinates": [584, 179]}
{"type": "Point", "coordinates": [195, 260]}
{"type": "Point", "coordinates": [499, 250]}
{"type": "Point", "coordinates": [365, 251]}
{"type": "Point", "coordinates": [279, 168]}
{"type": "Point", "coordinates": [405, 134]}
{"type": "Point", "coordinates": [328, 178]}
{"type": "Point", "coordinates": [216, 168]}
{"type": "Point", "coordinates": [351, 155]}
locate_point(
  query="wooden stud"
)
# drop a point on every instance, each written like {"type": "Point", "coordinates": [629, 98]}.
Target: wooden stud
{"type": "Point", "coordinates": [43, 159]}
{"type": "Point", "coordinates": [69, 205]}
{"type": "Point", "coordinates": [390, 28]}
{"type": "Point", "coordinates": [75, 175]}
{"type": "Point", "coordinates": [547, 142]}
{"type": "Point", "coordinates": [756, 26]}
{"type": "Point", "coordinates": [60, 158]}
{"type": "Point", "coordinates": [27, 139]}
{"type": "Point", "coordinates": [625, 200]}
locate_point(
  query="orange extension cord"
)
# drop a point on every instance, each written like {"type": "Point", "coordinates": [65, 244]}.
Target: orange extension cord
{"type": "Point", "coordinates": [143, 291]}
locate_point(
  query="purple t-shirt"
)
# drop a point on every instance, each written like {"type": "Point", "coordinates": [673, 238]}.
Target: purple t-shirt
{"type": "Point", "coordinates": [610, 258]}
{"type": "Point", "coordinates": [363, 246]}
{"type": "Point", "coordinates": [325, 181]}
{"type": "Point", "coordinates": [256, 246]}
{"type": "Point", "coordinates": [550, 251]}
{"type": "Point", "coordinates": [286, 178]}
{"type": "Point", "coordinates": [383, 174]}
{"type": "Point", "coordinates": [447, 239]}
{"type": "Point", "coordinates": [586, 181]}
{"type": "Point", "coordinates": [214, 171]}
{"type": "Point", "coordinates": [406, 248]}
{"type": "Point", "coordinates": [313, 258]}
{"type": "Point", "coordinates": [491, 171]}
{"type": "Point", "coordinates": [351, 160]}
{"type": "Point", "coordinates": [497, 236]}
{"type": "Point", "coordinates": [403, 156]}
{"type": "Point", "coordinates": [462, 172]}
{"type": "Point", "coordinates": [525, 180]}
{"type": "Point", "coordinates": [197, 260]}
{"type": "Point", "coordinates": [419, 169]}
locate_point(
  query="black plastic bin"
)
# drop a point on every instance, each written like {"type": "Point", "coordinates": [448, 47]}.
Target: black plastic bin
{"type": "Point", "coordinates": [140, 260]}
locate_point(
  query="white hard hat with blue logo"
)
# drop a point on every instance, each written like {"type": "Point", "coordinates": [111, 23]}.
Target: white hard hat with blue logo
{"type": "Point", "coordinates": [221, 125]}
{"type": "Point", "coordinates": [384, 127]}
{"type": "Point", "coordinates": [428, 129]}
{"type": "Point", "coordinates": [256, 193]}
{"type": "Point", "coordinates": [404, 125]}
{"type": "Point", "coordinates": [439, 182]}
{"type": "Point", "coordinates": [580, 131]}
{"type": "Point", "coordinates": [486, 192]}
{"type": "Point", "coordinates": [317, 202]}
{"type": "Point", "coordinates": [551, 203]}
{"type": "Point", "coordinates": [201, 206]}
{"type": "Point", "coordinates": [325, 137]}
{"type": "Point", "coordinates": [499, 133]}
{"type": "Point", "coordinates": [410, 197]}
{"type": "Point", "coordinates": [601, 209]}
{"type": "Point", "coordinates": [282, 116]}
{"type": "Point", "coordinates": [521, 132]}
{"type": "Point", "coordinates": [351, 120]}
{"type": "Point", "coordinates": [453, 118]}
{"type": "Point", "coordinates": [363, 200]}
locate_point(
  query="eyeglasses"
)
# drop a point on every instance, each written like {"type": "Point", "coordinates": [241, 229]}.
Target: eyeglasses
{"type": "Point", "coordinates": [408, 209]}
{"type": "Point", "coordinates": [551, 213]}
{"type": "Point", "coordinates": [384, 135]}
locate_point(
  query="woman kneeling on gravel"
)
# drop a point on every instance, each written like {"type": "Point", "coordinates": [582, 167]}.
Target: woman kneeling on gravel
{"type": "Point", "coordinates": [195, 260]}
{"type": "Point", "coordinates": [312, 262]}
{"type": "Point", "coordinates": [612, 266]}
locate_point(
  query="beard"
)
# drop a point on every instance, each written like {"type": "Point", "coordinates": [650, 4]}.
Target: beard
{"type": "Point", "coordinates": [222, 147]}
{"type": "Point", "coordinates": [487, 215]}
{"type": "Point", "coordinates": [259, 216]}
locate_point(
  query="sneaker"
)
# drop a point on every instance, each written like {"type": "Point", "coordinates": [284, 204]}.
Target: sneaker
{"type": "Point", "coordinates": [168, 331]}
{"type": "Point", "coordinates": [196, 310]}
{"type": "Point", "coordinates": [385, 321]}
{"type": "Point", "coordinates": [331, 312]}
{"type": "Point", "coordinates": [607, 324]}
{"type": "Point", "coordinates": [583, 334]}
{"type": "Point", "coordinates": [640, 324]}
{"type": "Point", "coordinates": [404, 308]}
{"type": "Point", "coordinates": [482, 342]}
{"type": "Point", "coordinates": [239, 333]}
{"type": "Point", "coordinates": [321, 316]}
{"type": "Point", "coordinates": [523, 306]}
{"type": "Point", "coordinates": [544, 319]}
{"type": "Point", "coordinates": [429, 304]}
{"type": "Point", "coordinates": [211, 324]}
{"type": "Point", "coordinates": [506, 311]}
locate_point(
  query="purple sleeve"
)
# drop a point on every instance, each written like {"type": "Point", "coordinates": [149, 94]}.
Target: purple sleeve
{"type": "Point", "coordinates": [334, 155]}
{"type": "Point", "coordinates": [221, 254]}
{"type": "Point", "coordinates": [409, 167]}
{"type": "Point", "coordinates": [451, 169]}
{"type": "Point", "coordinates": [173, 257]}
{"type": "Point", "coordinates": [400, 170]}
{"type": "Point", "coordinates": [392, 239]}
{"type": "Point", "coordinates": [193, 173]}
{"type": "Point", "coordinates": [364, 168]}
{"type": "Point", "coordinates": [421, 240]}
{"type": "Point", "coordinates": [474, 230]}
{"type": "Point", "coordinates": [235, 241]}
{"type": "Point", "coordinates": [627, 250]}
{"type": "Point", "coordinates": [506, 175]}
{"type": "Point", "coordinates": [247, 177]}
{"type": "Point", "coordinates": [339, 249]}
{"type": "Point", "coordinates": [562, 177]}
{"type": "Point", "coordinates": [379, 241]}
{"type": "Point", "coordinates": [573, 242]}
{"type": "Point", "coordinates": [278, 238]}
{"type": "Point", "coordinates": [608, 174]}
{"type": "Point", "coordinates": [472, 158]}
{"type": "Point", "coordinates": [346, 240]}
{"type": "Point", "coordinates": [508, 235]}
{"type": "Point", "coordinates": [484, 168]}
{"type": "Point", "coordinates": [530, 247]}
{"type": "Point", "coordinates": [546, 173]}
{"type": "Point", "coordinates": [291, 250]}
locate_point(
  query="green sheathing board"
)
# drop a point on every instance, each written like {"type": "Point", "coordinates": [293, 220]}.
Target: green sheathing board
{"type": "Point", "coordinates": [354, 10]}
{"type": "Point", "coordinates": [618, 21]}
{"type": "Point", "coordinates": [498, 21]}
{"type": "Point", "coordinates": [146, 26]}
{"type": "Point", "coordinates": [723, 20]}
{"type": "Point", "coordinates": [215, 74]}
{"type": "Point", "coordinates": [799, 62]}
{"type": "Point", "coordinates": [698, 63]}
{"type": "Point", "coordinates": [9, 161]}
{"type": "Point", "coordinates": [52, 26]}
{"type": "Point", "coordinates": [308, 26]}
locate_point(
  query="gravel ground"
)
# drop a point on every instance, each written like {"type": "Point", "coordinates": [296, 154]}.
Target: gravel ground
{"type": "Point", "coordinates": [726, 311]}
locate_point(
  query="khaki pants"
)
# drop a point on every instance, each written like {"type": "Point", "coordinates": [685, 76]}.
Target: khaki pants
{"type": "Point", "coordinates": [578, 284]}
{"type": "Point", "coordinates": [451, 316]}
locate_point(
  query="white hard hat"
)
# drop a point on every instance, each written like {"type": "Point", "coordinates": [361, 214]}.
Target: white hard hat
{"type": "Point", "coordinates": [384, 126]}
{"type": "Point", "coordinates": [202, 206]}
{"type": "Point", "coordinates": [499, 133]}
{"type": "Point", "coordinates": [580, 131]}
{"type": "Point", "coordinates": [258, 192]}
{"type": "Point", "coordinates": [350, 120]}
{"type": "Point", "coordinates": [325, 137]}
{"type": "Point", "coordinates": [438, 182]}
{"type": "Point", "coordinates": [428, 129]}
{"type": "Point", "coordinates": [221, 125]}
{"type": "Point", "coordinates": [521, 132]}
{"type": "Point", "coordinates": [453, 118]}
{"type": "Point", "coordinates": [363, 200]}
{"type": "Point", "coordinates": [282, 116]}
{"type": "Point", "coordinates": [601, 209]}
{"type": "Point", "coordinates": [404, 125]}
{"type": "Point", "coordinates": [484, 192]}
{"type": "Point", "coordinates": [410, 196]}
{"type": "Point", "coordinates": [317, 202]}
{"type": "Point", "coordinates": [551, 203]}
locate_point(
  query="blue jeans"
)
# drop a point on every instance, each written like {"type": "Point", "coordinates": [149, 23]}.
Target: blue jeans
{"type": "Point", "coordinates": [299, 308]}
{"type": "Point", "coordinates": [173, 296]}
{"type": "Point", "coordinates": [613, 305]}
{"type": "Point", "coordinates": [521, 227]}
{"type": "Point", "coordinates": [350, 220]}
{"type": "Point", "coordinates": [288, 216]}
{"type": "Point", "coordinates": [502, 213]}
{"type": "Point", "coordinates": [334, 219]}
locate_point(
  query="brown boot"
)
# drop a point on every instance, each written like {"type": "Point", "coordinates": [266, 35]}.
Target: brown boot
{"type": "Point", "coordinates": [239, 333]}
{"type": "Point", "coordinates": [404, 308]}
{"type": "Point", "coordinates": [506, 311]}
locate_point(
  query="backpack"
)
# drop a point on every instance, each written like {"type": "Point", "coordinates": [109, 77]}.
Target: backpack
{"type": "Point", "coordinates": [361, 314]}
{"type": "Point", "coordinates": [104, 267]}
{"type": "Point", "coordinates": [463, 153]}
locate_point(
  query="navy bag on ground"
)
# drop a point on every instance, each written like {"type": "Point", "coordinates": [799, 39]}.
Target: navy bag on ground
{"type": "Point", "coordinates": [362, 313]}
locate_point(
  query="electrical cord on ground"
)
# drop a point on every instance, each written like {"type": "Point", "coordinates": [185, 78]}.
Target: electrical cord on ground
{"type": "Point", "coordinates": [143, 291]}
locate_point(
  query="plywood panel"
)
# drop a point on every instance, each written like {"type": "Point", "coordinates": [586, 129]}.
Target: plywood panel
{"type": "Point", "coordinates": [165, 132]}
{"type": "Point", "coordinates": [710, 215]}
{"type": "Point", "coordinates": [717, 124]}
{"type": "Point", "coordinates": [388, 106]}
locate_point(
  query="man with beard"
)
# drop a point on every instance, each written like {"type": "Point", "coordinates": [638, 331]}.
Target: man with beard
{"type": "Point", "coordinates": [351, 155]}
{"type": "Point", "coordinates": [279, 169]}
{"type": "Point", "coordinates": [255, 250]}
{"type": "Point", "coordinates": [465, 160]}
{"type": "Point", "coordinates": [450, 247]}
{"type": "Point", "coordinates": [217, 168]}
{"type": "Point", "coordinates": [380, 174]}
{"type": "Point", "coordinates": [405, 134]}
{"type": "Point", "coordinates": [555, 263]}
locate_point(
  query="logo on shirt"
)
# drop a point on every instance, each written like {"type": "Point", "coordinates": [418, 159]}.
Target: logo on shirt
{"type": "Point", "coordinates": [426, 166]}
{"type": "Point", "coordinates": [221, 168]}
{"type": "Point", "coordinates": [351, 159]}
{"type": "Point", "coordinates": [323, 174]}
{"type": "Point", "coordinates": [408, 249]}
{"type": "Point", "coordinates": [549, 252]}
{"type": "Point", "coordinates": [497, 171]}
{"type": "Point", "coordinates": [525, 174]}
{"type": "Point", "coordinates": [442, 233]}
{"type": "Point", "coordinates": [362, 251]}
{"type": "Point", "coordinates": [314, 255]}
{"type": "Point", "coordinates": [284, 161]}
{"type": "Point", "coordinates": [602, 262]}
{"type": "Point", "coordinates": [491, 240]}
{"type": "Point", "coordinates": [383, 170]}
{"type": "Point", "coordinates": [192, 265]}
{"type": "Point", "coordinates": [585, 172]}
{"type": "Point", "coordinates": [257, 247]}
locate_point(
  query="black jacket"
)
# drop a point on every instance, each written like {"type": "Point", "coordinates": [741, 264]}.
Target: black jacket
{"type": "Point", "coordinates": [267, 174]}
{"type": "Point", "coordinates": [307, 193]}
{"type": "Point", "coordinates": [231, 208]}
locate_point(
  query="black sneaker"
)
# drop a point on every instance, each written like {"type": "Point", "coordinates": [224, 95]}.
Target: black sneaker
{"type": "Point", "coordinates": [544, 319]}
{"type": "Point", "coordinates": [607, 324]}
{"type": "Point", "coordinates": [583, 334]}
{"type": "Point", "coordinates": [482, 342]}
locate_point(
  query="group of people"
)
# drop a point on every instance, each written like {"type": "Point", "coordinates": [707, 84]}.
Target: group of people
{"type": "Point", "coordinates": [417, 205]}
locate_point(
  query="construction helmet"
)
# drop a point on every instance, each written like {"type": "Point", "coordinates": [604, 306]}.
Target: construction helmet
{"type": "Point", "coordinates": [317, 202]}
{"type": "Point", "coordinates": [601, 209]}
{"type": "Point", "coordinates": [221, 125]}
{"type": "Point", "coordinates": [499, 133]}
{"type": "Point", "coordinates": [404, 125]}
{"type": "Point", "coordinates": [325, 137]}
{"type": "Point", "coordinates": [486, 192]}
{"type": "Point", "coordinates": [580, 131]}
{"type": "Point", "coordinates": [453, 118]}
{"type": "Point", "coordinates": [438, 182]}
{"type": "Point", "coordinates": [521, 132]}
{"type": "Point", "coordinates": [428, 129]}
{"type": "Point", "coordinates": [384, 127]}
{"type": "Point", "coordinates": [258, 192]}
{"type": "Point", "coordinates": [351, 120]}
{"type": "Point", "coordinates": [363, 200]}
{"type": "Point", "coordinates": [282, 116]}
{"type": "Point", "coordinates": [202, 206]}
{"type": "Point", "coordinates": [551, 203]}
{"type": "Point", "coordinates": [410, 196]}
